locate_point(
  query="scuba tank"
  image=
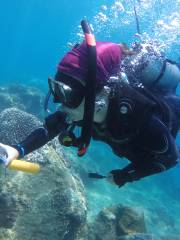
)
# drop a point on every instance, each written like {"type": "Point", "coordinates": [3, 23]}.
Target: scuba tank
{"type": "Point", "coordinates": [19, 165]}
{"type": "Point", "coordinates": [152, 69]}
{"type": "Point", "coordinates": [164, 75]}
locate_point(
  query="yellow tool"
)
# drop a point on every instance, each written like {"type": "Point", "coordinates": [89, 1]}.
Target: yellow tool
{"type": "Point", "coordinates": [19, 165]}
{"type": "Point", "coordinates": [24, 166]}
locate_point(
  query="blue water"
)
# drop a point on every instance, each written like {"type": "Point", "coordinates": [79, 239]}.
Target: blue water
{"type": "Point", "coordinates": [34, 34]}
{"type": "Point", "coordinates": [33, 38]}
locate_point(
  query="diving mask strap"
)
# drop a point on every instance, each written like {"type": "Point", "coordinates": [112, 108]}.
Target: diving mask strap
{"type": "Point", "coordinates": [46, 102]}
{"type": "Point", "coordinates": [47, 98]}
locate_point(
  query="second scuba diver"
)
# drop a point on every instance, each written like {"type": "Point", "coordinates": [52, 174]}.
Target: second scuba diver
{"type": "Point", "coordinates": [137, 124]}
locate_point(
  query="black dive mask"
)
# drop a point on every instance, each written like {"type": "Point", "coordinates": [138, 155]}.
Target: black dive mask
{"type": "Point", "coordinates": [65, 94]}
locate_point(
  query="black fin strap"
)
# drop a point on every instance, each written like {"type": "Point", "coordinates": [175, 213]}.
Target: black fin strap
{"type": "Point", "coordinates": [47, 101]}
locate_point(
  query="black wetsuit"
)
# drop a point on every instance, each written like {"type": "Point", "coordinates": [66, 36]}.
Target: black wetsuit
{"type": "Point", "coordinates": [135, 128]}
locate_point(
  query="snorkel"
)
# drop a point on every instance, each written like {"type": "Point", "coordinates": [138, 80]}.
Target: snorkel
{"type": "Point", "coordinates": [90, 89]}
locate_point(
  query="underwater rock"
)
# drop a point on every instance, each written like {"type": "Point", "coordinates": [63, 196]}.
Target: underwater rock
{"type": "Point", "coordinates": [50, 205]}
{"type": "Point", "coordinates": [148, 237]}
{"type": "Point", "coordinates": [8, 211]}
{"type": "Point", "coordinates": [138, 236]}
{"type": "Point", "coordinates": [23, 97]}
{"type": "Point", "coordinates": [15, 125]}
{"type": "Point", "coordinates": [32, 98]}
{"type": "Point", "coordinates": [114, 222]}
{"type": "Point", "coordinates": [170, 237]}
{"type": "Point", "coordinates": [6, 101]}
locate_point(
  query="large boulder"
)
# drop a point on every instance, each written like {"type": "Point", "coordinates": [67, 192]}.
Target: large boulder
{"type": "Point", "coordinates": [116, 221]}
{"type": "Point", "coordinates": [50, 205]}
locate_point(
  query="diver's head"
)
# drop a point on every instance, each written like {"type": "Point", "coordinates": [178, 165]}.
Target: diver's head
{"type": "Point", "coordinates": [66, 91]}
{"type": "Point", "coordinates": [70, 93]}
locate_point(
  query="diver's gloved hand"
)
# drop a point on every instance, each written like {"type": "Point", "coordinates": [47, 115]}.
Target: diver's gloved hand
{"type": "Point", "coordinates": [117, 177]}
{"type": "Point", "coordinates": [10, 152]}
{"type": "Point", "coordinates": [68, 139]}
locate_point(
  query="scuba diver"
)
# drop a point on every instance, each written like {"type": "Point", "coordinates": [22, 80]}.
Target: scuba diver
{"type": "Point", "coordinates": [136, 123]}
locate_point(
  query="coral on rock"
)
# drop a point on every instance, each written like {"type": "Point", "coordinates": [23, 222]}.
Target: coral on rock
{"type": "Point", "coordinates": [15, 125]}
{"type": "Point", "coordinates": [50, 205]}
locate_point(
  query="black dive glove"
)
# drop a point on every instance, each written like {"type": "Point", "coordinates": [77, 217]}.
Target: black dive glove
{"type": "Point", "coordinates": [68, 139]}
{"type": "Point", "coordinates": [122, 176]}
{"type": "Point", "coordinates": [118, 177]}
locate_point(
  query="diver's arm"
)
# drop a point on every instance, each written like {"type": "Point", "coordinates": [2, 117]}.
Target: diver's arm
{"type": "Point", "coordinates": [156, 163]}
{"type": "Point", "coordinates": [133, 173]}
{"type": "Point", "coordinates": [53, 125]}
{"type": "Point", "coordinates": [161, 154]}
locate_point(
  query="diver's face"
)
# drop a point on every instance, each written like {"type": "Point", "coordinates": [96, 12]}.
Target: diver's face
{"type": "Point", "coordinates": [75, 114]}
{"type": "Point", "coordinates": [100, 112]}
